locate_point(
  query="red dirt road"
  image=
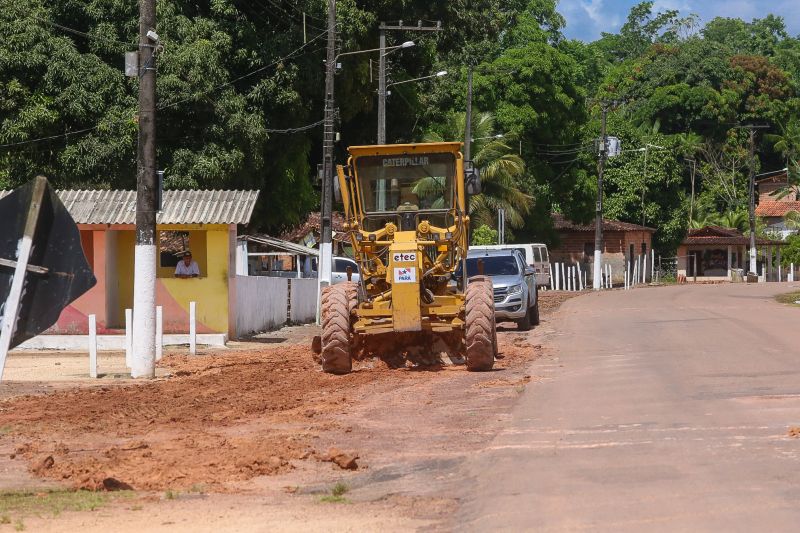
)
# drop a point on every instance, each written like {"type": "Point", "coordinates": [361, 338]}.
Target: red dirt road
{"type": "Point", "coordinates": [221, 420]}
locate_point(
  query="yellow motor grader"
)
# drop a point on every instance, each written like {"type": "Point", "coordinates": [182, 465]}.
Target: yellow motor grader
{"type": "Point", "coordinates": [406, 218]}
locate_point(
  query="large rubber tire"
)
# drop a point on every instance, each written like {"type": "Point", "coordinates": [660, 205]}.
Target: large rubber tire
{"type": "Point", "coordinates": [481, 339]}
{"type": "Point", "coordinates": [524, 323]}
{"type": "Point", "coordinates": [338, 301]}
{"type": "Point", "coordinates": [535, 314]}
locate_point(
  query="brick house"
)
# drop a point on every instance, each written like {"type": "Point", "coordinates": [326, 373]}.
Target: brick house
{"type": "Point", "coordinates": [772, 207]}
{"type": "Point", "coordinates": [623, 242]}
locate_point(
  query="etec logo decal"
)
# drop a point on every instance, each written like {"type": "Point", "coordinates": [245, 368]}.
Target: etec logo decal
{"type": "Point", "coordinates": [404, 257]}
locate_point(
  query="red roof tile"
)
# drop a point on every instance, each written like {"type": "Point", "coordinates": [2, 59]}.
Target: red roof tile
{"type": "Point", "coordinates": [717, 235]}
{"type": "Point", "coordinates": [562, 224]}
{"type": "Point", "coordinates": [776, 208]}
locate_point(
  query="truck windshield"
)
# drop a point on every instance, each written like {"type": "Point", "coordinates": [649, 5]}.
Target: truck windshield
{"type": "Point", "coordinates": [501, 265]}
{"type": "Point", "coordinates": [413, 182]}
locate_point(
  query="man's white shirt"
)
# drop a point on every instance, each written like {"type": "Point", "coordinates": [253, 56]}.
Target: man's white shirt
{"type": "Point", "coordinates": [191, 270]}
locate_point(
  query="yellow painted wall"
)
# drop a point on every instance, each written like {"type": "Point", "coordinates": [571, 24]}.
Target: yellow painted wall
{"type": "Point", "coordinates": [210, 291]}
{"type": "Point", "coordinates": [126, 243]}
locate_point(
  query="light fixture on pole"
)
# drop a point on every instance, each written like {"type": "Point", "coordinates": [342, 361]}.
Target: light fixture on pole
{"type": "Point", "coordinates": [437, 75]}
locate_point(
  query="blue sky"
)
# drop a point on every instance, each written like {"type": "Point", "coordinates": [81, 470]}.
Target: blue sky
{"type": "Point", "coordinates": [586, 19]}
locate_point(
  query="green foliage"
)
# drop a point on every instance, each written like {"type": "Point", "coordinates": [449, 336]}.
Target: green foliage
{"type": "Point", "coordinates": [501, 169]}
{"type": "Point", "coordinates": [484, 235]}
{"type": "Point", "coordinates": [233, 72]}
{"type": "Point", "coordinates": [791, 252]}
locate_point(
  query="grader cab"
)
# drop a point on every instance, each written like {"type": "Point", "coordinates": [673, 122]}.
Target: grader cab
{"type": "Point", "coordinates": [406, 218]}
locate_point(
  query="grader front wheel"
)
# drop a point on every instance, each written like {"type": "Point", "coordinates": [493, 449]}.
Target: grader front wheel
{"type": "Point", "coordinates": [338, 301]}
{"type": "Point", "coordinates": [481, 336]}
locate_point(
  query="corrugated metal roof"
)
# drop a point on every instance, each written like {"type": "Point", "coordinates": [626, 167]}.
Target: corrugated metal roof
{"type": "Point", "coordinates": [179, 207]}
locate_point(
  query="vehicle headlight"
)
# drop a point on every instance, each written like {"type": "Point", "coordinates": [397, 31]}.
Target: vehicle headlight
{"type": "Point", "coordinates": [516, 289]}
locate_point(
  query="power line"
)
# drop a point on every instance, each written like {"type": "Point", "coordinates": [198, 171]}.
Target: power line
{"type": "Point", "coordinates": [165, 106]}
{"type": "Point", "coordinates": [127, 46]}
{"type": "Point", "coordinates": [297, 129]}
{"type": "Point", "coordinates": [60, 135]}
{"type": "Point", "coordinates": [290, 55]}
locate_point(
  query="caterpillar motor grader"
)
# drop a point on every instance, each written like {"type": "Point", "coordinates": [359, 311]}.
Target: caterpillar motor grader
{"type": "Point", "coordinates": [406, 218]}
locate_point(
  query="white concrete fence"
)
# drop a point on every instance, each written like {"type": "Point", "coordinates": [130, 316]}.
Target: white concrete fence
{"type": "Point", "coordinates": [265, 303]}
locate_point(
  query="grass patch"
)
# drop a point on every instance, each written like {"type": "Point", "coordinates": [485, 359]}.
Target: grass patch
{"type": "Point", "coordinates": [50, 502]}
{"type": "Point", "coordinates": [19, 525]}
{"type": "Point", "coordinates": [5, 430]}
{"type": "Point", "coordinates": [337, 494]}
{"type": "Point", "coordinates": [789, 298]}
{"type": "Point", "coordinates": [170, 495]}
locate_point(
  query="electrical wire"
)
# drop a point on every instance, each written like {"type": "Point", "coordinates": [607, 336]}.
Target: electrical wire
{"type": "Point", "coordinates": [51, 137]}
{"type": "Point", "coordinates": [297, 129]}
{"type": "Point", "coordinates": [165, 106]}
{"type": "Point", "coordinates": [286, 13]}
{"type": "Point", "coordinates": [127, 46]}
{"type": "Point", "coordinates": [290, 55]}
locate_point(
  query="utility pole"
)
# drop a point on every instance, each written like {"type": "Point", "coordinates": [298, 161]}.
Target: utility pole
{"type": "Point", "coordinates": [144, 278]}
{"type": "Point", "coordinates": [468, 119]}
{"type": "Point", "coordinates": [691, 202]}
{"type": "Point", "coordinates": [382, 85]}
{"type": "Point", "coordinates": [752, 200]}
{"type": "Point", "coordinates": [382, 29]}
{"type": "Point", "coordinates": [598, 225]}
{"type": "Point", "coordinates": [326, 230]}
{"type": "Point", "coordinates": [752, 190]}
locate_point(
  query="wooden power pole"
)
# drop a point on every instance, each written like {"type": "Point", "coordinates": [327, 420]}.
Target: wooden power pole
{"type": "Point", "coordinates": [144, 293]}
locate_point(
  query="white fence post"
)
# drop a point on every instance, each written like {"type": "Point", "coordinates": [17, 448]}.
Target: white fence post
{"type": "Point", "coordinates": [572, 278]}
{"type": "Point", "coordinates": [128, 337]}
{"type": "Point", "coordinates": [192, 328]}
{"type": "Point", "coordinates": [159, 332]}
{"type": "Point", "coordinates": [92, 346]}
{"type": "Point", "coordinates": [552, 281]}
{"type": "Point", "coordinates": [580, 278]}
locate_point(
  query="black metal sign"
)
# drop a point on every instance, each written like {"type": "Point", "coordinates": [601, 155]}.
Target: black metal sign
{"type": "Point", "coordinates": [42, 264]}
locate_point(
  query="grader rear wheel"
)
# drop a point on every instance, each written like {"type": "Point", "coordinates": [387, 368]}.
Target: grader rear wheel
{"type": "Point", "coordinates": [481, 336]}
{"type": "Point", "coordinates": [338, 301]}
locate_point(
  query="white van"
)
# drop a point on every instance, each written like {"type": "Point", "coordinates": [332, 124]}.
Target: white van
{"type": "Point", "coordinates": [535, 255]}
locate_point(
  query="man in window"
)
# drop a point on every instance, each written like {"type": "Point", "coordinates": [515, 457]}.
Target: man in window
{"type": "Point", "coordinates": [187, 268]}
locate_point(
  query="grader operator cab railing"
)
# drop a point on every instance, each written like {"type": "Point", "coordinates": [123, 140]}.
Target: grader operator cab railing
{"type": "Point", "coordinates": [406, 218]}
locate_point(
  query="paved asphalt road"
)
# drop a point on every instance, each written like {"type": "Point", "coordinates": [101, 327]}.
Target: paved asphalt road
{"type": "Point", "coordinates": [663, 409]}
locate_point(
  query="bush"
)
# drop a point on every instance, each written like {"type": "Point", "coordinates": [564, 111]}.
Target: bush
{"type": "Point", "coordinates": [484, 235]}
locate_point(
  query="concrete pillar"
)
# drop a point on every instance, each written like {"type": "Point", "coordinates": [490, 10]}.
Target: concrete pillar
{"type": "Point", "coordinates": [241, 258]}
{"type": "Point", "coordinates": [779, 262]}
{"type": "Point", "coordinates": [769, 264]}
{"type": "Point", "coordinates": [730, 265]}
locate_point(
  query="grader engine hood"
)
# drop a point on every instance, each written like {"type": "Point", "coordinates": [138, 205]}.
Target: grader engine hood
{"type": "Point", "coordinates": [403, 274]}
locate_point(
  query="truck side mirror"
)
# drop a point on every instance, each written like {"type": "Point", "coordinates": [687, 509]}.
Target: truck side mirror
{"type": "Point", "coordinates": [472, 178]}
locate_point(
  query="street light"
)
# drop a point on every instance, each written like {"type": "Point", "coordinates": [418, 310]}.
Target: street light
{"type": "Point", "coordinates": [437, 75]}
{"type": "Point", "coordinates": [407, 44]}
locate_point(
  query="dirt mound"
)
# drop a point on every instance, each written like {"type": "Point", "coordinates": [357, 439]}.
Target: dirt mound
{"type": "Point", "coordinates": [219, 419]}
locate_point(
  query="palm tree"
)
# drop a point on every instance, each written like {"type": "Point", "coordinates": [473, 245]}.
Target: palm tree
{"type": "Point", "coordinates": [500, 170]}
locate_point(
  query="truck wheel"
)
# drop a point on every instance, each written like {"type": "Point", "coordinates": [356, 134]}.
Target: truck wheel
{"type": "Point", "coordinates": [337, 304]}
{"type": "Point", "coordinates": [481, 339]}
{"type": "Point", "coordinates": [535, 313]}
{"type": "Point", "coordinates": [524, 323]}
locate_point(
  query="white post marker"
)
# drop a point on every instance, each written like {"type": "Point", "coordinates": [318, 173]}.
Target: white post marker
{"type": "Point", "coordinates": [143, 357]}
{"type": "Point", "coordinates": [192, 328]}
{"type": "Point", "coordinates": [92, 346]}
{"type": "Point", "coordinates": [159, 332]}
{"type": "Point", "coordinates": [572, 278]}
{"type": "Point", "coordinates": [652, 265]}
{"type": "Point", "coordinates": [552, 282]}
{"type": "Point", "coordinates": [580, 278]}
{"type": "Point", "coordinates": [128, 337]}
